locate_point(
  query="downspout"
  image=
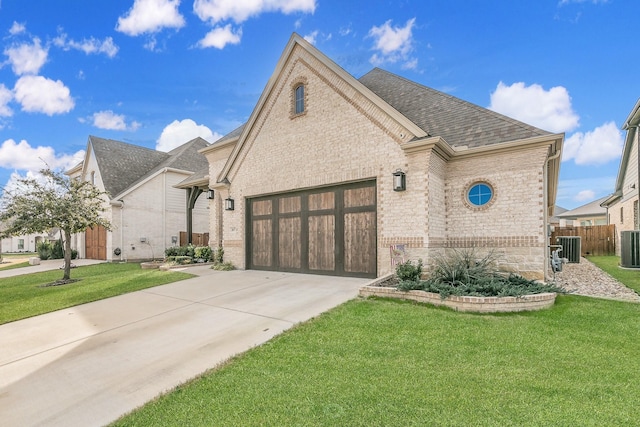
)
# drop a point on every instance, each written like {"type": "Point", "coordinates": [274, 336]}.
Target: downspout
{"type": "Point", "coordinates": [546, 211]}
{"type": "Point", "coordinates": [164, 211]}
{"type": "Point", "coordinates": [121, 226]}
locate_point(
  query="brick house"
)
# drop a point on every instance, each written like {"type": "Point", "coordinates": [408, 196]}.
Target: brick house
{"type": "Point", "coordinates": [622, 205]}
{"type": "Point", "coordinates": [330, 173]}
{"type": "Point", "coordinates": [144, 206]}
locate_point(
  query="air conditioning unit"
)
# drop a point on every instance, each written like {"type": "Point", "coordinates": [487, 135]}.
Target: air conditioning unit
{"type": "Point", "coordinates": [630, 249]}
{"type": "Point", "coordinates": [570, 247]}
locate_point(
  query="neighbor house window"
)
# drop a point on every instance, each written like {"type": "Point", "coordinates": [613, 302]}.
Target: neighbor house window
{"type": "Point", "coordinates": [93, 178]}
{"type": "Point", "coordinates": [635, 215]}
{"type": "Point", "coordinates": [480, 194]}
{"type": "Point", "coordinates": [20, 244]}
{"type": "Point", "coordinates": [621, 216]}
{"type": "Point", "coordinates": [299, 99]}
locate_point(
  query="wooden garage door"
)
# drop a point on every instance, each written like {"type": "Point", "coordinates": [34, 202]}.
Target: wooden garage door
{"type": "Point", "coordinates": [322, 231]}
{"type": "Point", "coordinates": [96, 243]}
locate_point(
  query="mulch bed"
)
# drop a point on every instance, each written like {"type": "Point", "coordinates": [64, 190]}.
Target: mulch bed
{"type": "Point", "coordinates": [59, 283]}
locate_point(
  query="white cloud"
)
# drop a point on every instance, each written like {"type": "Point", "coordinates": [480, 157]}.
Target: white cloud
{"type": "Point", "coordinates": [311, 38]}
{"type": "Point", "coordinates": [585, 196]}
{"type": "Point", "coordinates": [17, 28]}
{"type": "Point", "coordinates": [596, 147]}
{"type": "Point", "coordinates": [547, 109]}
{"type": "Point", "coordinates": [109, 120]}
{"type": "Point", "coordinates": [239, 11]}
{"type": "Point", "coordinates": [570, 190]}
{"type": "Point", "coordinates": [150, 16]}
{"type": "Point", "coordinates": [38, 94]}
{"type": "Point", "coordinates": [5, 97]}
{"type": "Point", "coordinates": [219, 37]}
{"type": "Point", "coordinates": [22, 156]}
{"type": "Point", "coordinates": [27, 58]}
{"type": "Point", "coordinates": [393, 44]}
{"type": "Point", "coordinates": [178, 132]}
{"type": "Point", "coordinates": [88, 46]}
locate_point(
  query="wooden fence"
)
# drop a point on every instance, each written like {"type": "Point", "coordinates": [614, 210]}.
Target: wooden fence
{"type": "Point", "coordinates": [595, 240]}
{"type": "Point", "coordinates": [197, 239]}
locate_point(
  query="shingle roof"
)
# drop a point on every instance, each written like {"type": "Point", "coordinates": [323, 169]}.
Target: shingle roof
{"type": "Point", "coordinates": [122, 165]}
{"type": "Point", "coordinates": [459, 122]}
{"type": "Point", "coordinates": [233, 134]}
{"type": "Point", "coordinates": [590, 209]}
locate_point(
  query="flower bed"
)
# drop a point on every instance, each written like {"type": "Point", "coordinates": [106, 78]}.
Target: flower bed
{"type": "Point", "coordinates": [461, 303]}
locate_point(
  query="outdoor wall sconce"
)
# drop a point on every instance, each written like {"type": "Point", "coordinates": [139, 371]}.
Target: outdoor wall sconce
{"type": "Point", "coordinates": [399, 181]}
{"type": "Point", "coordinates": [228, 204]}
{"type": "Point", "coordinates": [210, 194]}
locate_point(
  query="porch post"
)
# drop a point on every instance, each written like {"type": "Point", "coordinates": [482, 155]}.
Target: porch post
{"type": "Point", "coordinates": [192, 196]}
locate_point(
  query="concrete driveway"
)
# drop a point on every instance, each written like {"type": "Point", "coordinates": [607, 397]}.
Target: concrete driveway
{"type": "Point", "coordinates": [87, 365]}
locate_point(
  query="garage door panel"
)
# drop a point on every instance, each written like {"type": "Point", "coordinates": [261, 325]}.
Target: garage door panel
{"type": "Point", "coordinates": [359, 240]}
{"type": "Point", "coordinates": [322, 242]}
{"type": "Point", "coordinates": [359, 197]}
{"type": "Point", "coordinates": [289, 244]}
{"type": "Point", "coordinates": [289, 204]}
{"type": "Point", "coordinates": [322, 231]}
{"type": "Point", "coordinates": [322, 201]}
{"type": "Point", "coordinates": [262, 238]}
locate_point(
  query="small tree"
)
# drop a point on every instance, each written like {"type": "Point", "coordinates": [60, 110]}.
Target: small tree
{"type": "Point", "coordinates": [36, 206]}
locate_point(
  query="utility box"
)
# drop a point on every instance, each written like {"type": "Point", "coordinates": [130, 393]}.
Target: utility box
{"type": "Point", "coordinates": [630, 249]}
{"type": "Point", "coordinates": [571, 246]}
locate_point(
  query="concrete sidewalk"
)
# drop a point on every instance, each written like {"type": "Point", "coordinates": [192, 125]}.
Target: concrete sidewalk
{"type": "Point", "coordinates": [88, 365]}
{"type": "Point", "coordinates": [51, 264]}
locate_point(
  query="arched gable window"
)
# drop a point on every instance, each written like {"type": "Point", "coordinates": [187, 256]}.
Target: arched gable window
{"type": "Point", "coordinates": [299, 99]}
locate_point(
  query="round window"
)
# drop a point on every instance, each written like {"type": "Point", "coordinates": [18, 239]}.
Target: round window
{"type": "Point", "coordinates": [480, 194]}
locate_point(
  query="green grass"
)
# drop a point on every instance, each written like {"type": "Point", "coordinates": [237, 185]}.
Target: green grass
{"type": "Point", "coordinates": [611, 264]}
{"type": "Point", "coordinates": [388, 363]}
{"type": "Point", "coordinates": [16, 265]}
{"type": "Point", "coordinates": [23, 296]}
{"type": "Point", "coordinates": [19, 254]}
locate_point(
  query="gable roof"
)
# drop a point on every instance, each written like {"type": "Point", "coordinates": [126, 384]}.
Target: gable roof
{"type": "Point", "coordinates": [124, 165]}
{"type": "Point", "coordinates": [459, 122]}
{"type": "Point", "coordinates": [591, 209]}
{"type": "Point", "coordinates": [294, 41]}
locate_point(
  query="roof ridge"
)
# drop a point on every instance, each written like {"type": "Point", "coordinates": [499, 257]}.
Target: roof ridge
{"type": "Point", "coordinates": [453, 98]}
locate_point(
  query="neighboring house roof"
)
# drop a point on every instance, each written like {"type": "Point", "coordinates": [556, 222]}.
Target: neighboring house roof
{"type": "Point", "coordinates": [123, 165]}
{"type": "Point", "coordinates": [231, 135]}
{"type": "Point", "coordinates": [557, 210]}
{"type": "Point", "coordinates": [198, 179]}
{"type": "Point", "coordinates": [592, 209]}
{"type": "Point", "coordinates": [459, 122]}
{"type": "Point", "coordinates": [631, 126]}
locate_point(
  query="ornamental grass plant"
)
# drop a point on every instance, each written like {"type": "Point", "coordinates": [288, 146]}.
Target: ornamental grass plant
{"type": "Point", "coordinates": [465, 273]}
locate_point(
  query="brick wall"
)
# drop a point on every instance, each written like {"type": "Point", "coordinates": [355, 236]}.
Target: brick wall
{"type": "Point", "coordinates": [343, 137]}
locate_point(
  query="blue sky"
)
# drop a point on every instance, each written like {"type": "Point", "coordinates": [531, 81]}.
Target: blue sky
{"type": "Point", "coordinates": [158, 73]}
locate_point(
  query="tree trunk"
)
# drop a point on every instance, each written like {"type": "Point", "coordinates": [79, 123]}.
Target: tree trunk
{"type": "Point", "coordinates": [67, 255]}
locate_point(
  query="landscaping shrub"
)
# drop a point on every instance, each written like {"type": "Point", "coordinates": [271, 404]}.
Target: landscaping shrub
{"type": "Point", "coordinates": [181, 259]}
{"type": "Point", "coordinates": [57, 251]}
{"type": "Point", "coordinates": [223, 266]}
{"type": "Point", "coordinates": [218, 256]}
{"type": "Point", "coordinates": [203, 253]}
{"type": "Point", "coordinates": [171, 251]}
{"type": "Point", "coordinates": [44, 250]}
{"type": "Point", "coordinates": [465, 273]}
{"type": "Point", "coordinates": [408, 271]}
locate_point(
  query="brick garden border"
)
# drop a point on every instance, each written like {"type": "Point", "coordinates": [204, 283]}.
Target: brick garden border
{"type": "Point", "coordinates": [462, 303]}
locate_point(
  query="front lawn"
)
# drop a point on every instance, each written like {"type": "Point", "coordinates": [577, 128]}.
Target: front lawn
{"type": "Point", "coordinates": [611, 265]}
{"type": "Point", "coordinates": [23, 296]}
{"type": "Point", "coordinates": [11, 266]}
{"type": "Point", "coordinates": [388, 363]}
